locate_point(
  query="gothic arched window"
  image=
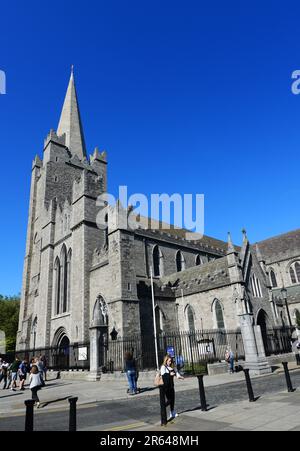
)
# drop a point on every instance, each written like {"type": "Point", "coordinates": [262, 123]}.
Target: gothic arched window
{"type": "Point", "coordinates": [64, 280]}
{"type": "Point", "coordinates": [57, 272]}
{"type": "Point", "coordinates": [273, 279]}
{"type": "Point", "coordinates": [219, 315]}
{"type": "Point", "coordinates": [256, 287]}
{"type": "Point", "coordinates": [69, 268]}
{"type": "Point", "coordinates": [180, 262]}
{"type": "Point", "coordinates": [157, 262]}
{"type": "Point", "coordinates": [190, 318]}
{"type": "Point", "coordinates": [296, 317]}
{"type": "Point", "coordinates": [106, 231]}
{"type": "Point", "coordinates": [293, 275]}
{"type": "Point", "coordinates": [198, 260]}
{"type": "Point", "coordinates": [295, 272]}
{"type": "Point", "coordinates": [297, 269]}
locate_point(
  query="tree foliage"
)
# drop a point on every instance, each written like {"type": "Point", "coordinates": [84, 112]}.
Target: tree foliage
{"type": "Point", "coordinates": [9, 318]}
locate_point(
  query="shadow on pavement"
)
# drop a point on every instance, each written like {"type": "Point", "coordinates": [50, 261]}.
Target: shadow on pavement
{"type": "Point", "coordinates": [145, 389]}
{"type": "Point", "coordinates": [47, 403]}
{"type": "Point", "coordinates": [11, 394]}
{"type": "Point", "coordinates": [57, 385]}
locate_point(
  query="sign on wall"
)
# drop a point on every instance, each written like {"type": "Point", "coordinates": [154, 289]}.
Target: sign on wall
{"type": "Point", "coordinates": [82, 354]}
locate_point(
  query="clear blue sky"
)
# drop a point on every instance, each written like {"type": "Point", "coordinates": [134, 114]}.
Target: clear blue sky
{"type": "Point", "coordinates": [188, 97]}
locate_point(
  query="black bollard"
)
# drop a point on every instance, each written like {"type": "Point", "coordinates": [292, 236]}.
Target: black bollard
{"type": "Point", "coordinates": [287, 377]}
{"type": "Point", "coordinates": [202, 393]}
{"type": "Point", "coordinates": [297, 359]}
{"type": "Point", "coordinates": [72, 417]}
{"type": "Point", "coordinates": [163, 410]}
{"type": "Point", "coordinates": [249, 385]}
{"type": "Point", "coordinates": [29, 403]}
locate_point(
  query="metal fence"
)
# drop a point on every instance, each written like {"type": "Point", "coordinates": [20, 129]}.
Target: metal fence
{"type": "Point", "coordinates": [71, 357]}
{"type": "Point", "coordinates": [195, 348]}
{"type": "Point", "coordinates": [278, 340]}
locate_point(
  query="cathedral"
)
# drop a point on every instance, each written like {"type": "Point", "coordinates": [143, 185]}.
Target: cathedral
{"type": "Point", "coordinates": [80, 281]}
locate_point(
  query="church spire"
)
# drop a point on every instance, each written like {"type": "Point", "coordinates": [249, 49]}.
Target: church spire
{"type": "Point", "coordinates": [230, 247]}
{"type": "Point", "coordinates": [70, 122]}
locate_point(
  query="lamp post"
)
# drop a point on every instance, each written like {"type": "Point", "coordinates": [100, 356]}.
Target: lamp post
{"type": "Point", "coordinates": [284, 296]}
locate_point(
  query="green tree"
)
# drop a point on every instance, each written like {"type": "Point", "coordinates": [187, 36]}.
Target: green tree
{"type": "Point", "coordinates": [9, 318]}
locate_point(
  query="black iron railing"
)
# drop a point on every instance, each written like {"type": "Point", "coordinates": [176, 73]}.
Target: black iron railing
{"type": "Point", "coordinates": [194, 348]}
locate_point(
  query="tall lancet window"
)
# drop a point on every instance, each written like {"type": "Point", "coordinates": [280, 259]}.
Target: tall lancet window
{"type": "Point", "coordinates": [106, 231]}
{"type": "Point", "coordinates": [57, 272]}
{"type": "Point", "coordinates": [219, 315]}
{"type": "Point", "coordinates": [69, 267]}
{"type": "Point", "coordinates": [198, 260]}
{"type": "Point", "coordinates": [180, 262]}
{"type": "Point", "coordinates": [158, 267]}
{"type": "Point", "coordinates": [273, 279]}
{"type": "Point", "coordinates": [190, 318]}
{"type": "Point", "coordinates": [64, 280]}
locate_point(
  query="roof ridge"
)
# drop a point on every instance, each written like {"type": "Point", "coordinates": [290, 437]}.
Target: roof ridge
{"type": "Point", "coordinates": [277, 236]}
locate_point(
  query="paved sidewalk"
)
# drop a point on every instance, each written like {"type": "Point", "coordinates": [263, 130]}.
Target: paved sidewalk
{"type": "Point", "coordinates": [57, 391]}
{"type": "Point", "coordinates": [278, 412]}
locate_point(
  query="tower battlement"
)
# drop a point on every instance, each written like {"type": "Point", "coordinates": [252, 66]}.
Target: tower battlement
{"type": "Point", "coordinates": [54, 138]}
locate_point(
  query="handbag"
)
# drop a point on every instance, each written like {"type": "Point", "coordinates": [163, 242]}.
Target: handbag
{"type": "Point", "coordinates": [158, 381]}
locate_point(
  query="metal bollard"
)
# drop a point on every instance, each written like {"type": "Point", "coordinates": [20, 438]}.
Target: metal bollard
{"type": "Point", "coordinates": [72, 417]}
{"type": "Point", "coordinates": [29, 403]}
{"type": "Point", "coordinates": [287, 377]}
{"type": "Point", "coordinates": [249, 385]}
{"type": "Point", "coordinates": [202, 393]}
{"type": "Point", "coordinates": [163, 410]}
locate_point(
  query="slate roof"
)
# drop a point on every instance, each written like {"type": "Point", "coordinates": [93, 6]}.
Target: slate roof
{"type": "Point", "coordinates": [281, 247]}
{"type": "Point", "coordinates": [166, 231]}
{"type": "Point", "coordinates": [293, 294]}
{"type": "Point", "coordinates": [200, 278]}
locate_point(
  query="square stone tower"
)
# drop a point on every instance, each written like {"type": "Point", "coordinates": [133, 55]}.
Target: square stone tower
{"type": "Point", "coordinates": [61, 235]}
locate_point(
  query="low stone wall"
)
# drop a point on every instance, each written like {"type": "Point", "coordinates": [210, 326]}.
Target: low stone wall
{"type": "Point", "coordinates": [274, 360]}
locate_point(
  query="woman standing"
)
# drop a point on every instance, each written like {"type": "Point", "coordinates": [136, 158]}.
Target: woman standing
{"type": "Point", "coordinates": [168, 372]}
{"type": "Point", "coordinates": [35, 384]}
{"type": "Point", "coordinates": [131, 371]}
{"type": "Point", "coordinates": [229, 358]}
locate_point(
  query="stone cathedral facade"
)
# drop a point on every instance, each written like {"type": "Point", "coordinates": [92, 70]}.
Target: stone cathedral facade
{"type": "Point", "coordinates": [80, 280]}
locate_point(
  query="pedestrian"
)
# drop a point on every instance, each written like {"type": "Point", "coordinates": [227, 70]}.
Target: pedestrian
{"type": "Point", "coordinates": [4, 373]}
{"type": "Point", "coordinates": [22, 371]}
{"type": "Point", "coordinates": [40, 365]}
{"type": "Point", "coordinates": [14, 373]}
{"type": "Point", "coordinates": [44, 360]}
{"type": "Point", "coordinates": [168, 371]}
{"type": "Point", "coordinates": [131, 372]}
{"type": "Point", "coordinates": [179, 362]}
{"type": "Point", "coordinates": [35, 384]}
{"type": "Point", "coordinates": [229, 358]}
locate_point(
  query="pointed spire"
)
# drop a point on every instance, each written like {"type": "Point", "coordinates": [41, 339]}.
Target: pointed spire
{"type": "Point", "coordinates": [244, 232]}
{"type": "Point", "coordinates": [259, 254]}
{"type": "Point", "coordinates": [70, 121]}
{"type": "Point", "coordinates": [230, 248]}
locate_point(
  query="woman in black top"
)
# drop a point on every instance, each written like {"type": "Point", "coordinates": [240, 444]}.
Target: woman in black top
{"type": "Point", "coordinates": [168, 372]}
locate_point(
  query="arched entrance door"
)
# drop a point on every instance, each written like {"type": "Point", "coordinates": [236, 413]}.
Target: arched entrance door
{"type": "Point", "coordinates": [61, 345]}
{"type": "Point", "coordinates": [262, 321]}
{"type": "Point", "coordinates": [64, 353]}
